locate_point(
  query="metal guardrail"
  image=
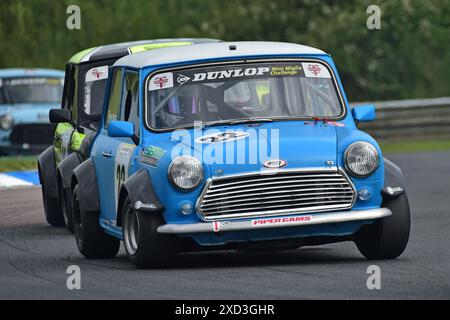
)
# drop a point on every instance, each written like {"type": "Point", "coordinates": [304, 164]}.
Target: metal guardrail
{"type": "Point", "coordinates": [410, 119]}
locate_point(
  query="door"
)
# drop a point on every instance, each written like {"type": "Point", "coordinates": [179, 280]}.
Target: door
{"type": "Point", "coordinates": [113, 156]}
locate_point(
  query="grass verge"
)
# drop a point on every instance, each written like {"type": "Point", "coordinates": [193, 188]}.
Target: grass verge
{"type": "Point", "coordinates": [415, 146]}
{"type": "Point", "coordinates": [18, 163]}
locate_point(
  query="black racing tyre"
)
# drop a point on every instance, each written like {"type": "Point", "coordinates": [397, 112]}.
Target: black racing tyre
{"type": "Point", "coordinates": [92, 241]}
{"type": "Point", "coordinates": [66, 205]}
{"type": "Point", "coordinates": [52, 210]}
{"type": "Point", "coordinates": [387, 238]}
{"type": "Point", "coordinates": [145, 247]}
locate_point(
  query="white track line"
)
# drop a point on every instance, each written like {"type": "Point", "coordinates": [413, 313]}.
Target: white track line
{"type": "Point", "coordinates": [8, 181]}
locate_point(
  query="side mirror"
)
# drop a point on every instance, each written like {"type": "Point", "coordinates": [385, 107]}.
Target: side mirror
{"type": "Point", "coordinates": [364, 113]}
{"type": "Point", "coordinates": [59, 115]}
{"type": "Point", "coordinates": [121, 129]}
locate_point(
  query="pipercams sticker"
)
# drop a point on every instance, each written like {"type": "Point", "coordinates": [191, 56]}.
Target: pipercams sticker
{"type": "Point", "coordinates": [236, 73]}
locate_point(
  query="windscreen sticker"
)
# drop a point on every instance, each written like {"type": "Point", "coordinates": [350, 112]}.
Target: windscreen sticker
{"type": "Point", "coordinates": [315, 70]}
{"type": "Point", "coordinates": [161, 81]}
{"type": "Point", "coordinates": [238, 72]}
{"type": "Point", "coordinates": [97, 73]}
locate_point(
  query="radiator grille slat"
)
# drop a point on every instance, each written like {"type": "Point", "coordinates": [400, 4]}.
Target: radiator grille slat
{"type": "Point", "coordinates": [281, 193]}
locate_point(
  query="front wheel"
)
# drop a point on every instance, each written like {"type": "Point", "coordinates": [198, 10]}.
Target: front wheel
{"type": "Point", "coordinates": [387, 238]}
{"type": "Point", "coordinates": [92, 241]}
{"type": "Point", "coordinates": [145, 247]}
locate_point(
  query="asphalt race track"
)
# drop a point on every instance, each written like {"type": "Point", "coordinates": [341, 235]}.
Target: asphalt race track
{"type": "Point", "coordinates": [34, 257]}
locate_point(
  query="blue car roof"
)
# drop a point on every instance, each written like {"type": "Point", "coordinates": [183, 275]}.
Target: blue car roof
{"type": "Point", "coordinates": [30, 72]}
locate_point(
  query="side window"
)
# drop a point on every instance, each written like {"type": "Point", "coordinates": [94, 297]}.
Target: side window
{"type": "Point", "coordinates": [115, 93]}
{"type": "Point", "coordinates": [130, 99]}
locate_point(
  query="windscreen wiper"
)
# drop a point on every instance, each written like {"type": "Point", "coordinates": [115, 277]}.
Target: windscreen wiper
{"type": "Point", "coordinates": [237, 121]}
{"type": "Point", "coordinates": [251, 120]}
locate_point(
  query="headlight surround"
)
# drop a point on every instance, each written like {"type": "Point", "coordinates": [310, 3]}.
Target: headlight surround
{"type": "Point", "coordinates": [6, 122]}
{"type": "Point", "coordinates": [186, 173]}
{"type": "Point", "coordinates": [361, 159]}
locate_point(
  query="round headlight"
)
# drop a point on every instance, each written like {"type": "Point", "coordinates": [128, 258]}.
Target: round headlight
{"type": "Point", "coordinates": [186, 172]}
{"type": "Point", "coordinates": [6, 122]}
{"type": "Point", "coordinates": [361, 159]}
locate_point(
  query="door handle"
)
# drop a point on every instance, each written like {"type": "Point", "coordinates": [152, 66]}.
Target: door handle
{"type": "Point", "coordinates": [107, 154]}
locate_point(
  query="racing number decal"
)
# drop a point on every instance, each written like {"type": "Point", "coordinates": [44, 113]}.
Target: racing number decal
{"type": "Point", "coordinates": [121, 166]}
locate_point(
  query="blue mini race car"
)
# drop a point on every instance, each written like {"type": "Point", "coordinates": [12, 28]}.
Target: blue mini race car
{"type": "Point", "coordinates": [242, 145]}
{"type": "Point", "coordinates": [26, 96]}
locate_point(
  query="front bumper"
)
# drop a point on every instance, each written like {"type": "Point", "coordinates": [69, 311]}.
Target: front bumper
{"type": "Point", "coordinates": [275, 222]}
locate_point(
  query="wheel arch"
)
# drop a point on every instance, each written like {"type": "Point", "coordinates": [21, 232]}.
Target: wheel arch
{"type": "Point", "coordinates": [47, 171]}
{"type": "Point", "coordinates": [140, 188]}
{"type": "Point", "coordinates": [84, 176]}
{"type": "Point", "coordinates": [64, 172]}
{"type": "Point", "coordinates": [394, 182]}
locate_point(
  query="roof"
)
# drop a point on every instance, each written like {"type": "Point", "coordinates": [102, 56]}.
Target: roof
{"type": "Point", "coordinates": [30, 72]}
{"type": "Point", "coordinates": [218, 50]}
{"type": "Point", "coordinates": [119, 50]}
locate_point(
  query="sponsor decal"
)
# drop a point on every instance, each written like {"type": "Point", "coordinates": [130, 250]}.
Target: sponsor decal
{"type": "Point", "coordinates": [151, 155]}
{"type": "Point", "coordinates": [222, 137]}
{"type": "Point", "coordinates": [284, 220]}
{"type": "Point", "coordinates": [230, 73]}
{"type": "Point", "coordinates": [226, 73]}
{"type": "Point", "coordinates": [161, 81]}
{"type": "Point", "coordinates": [97, 73]}
{"type": "Point", "coordinates": [275, 163]}
{"type": "Point", "coordinates": [315, 70]}
{"type": "Point", "coordinates": [216, 226]}
{"type": "Point", "coordinates": [182, 79]}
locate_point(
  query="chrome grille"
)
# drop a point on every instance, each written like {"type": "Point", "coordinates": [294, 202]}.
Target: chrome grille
{"type": "Point", "coordinates": [283, 192]}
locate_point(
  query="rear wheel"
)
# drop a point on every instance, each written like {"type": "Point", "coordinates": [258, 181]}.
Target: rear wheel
{"type": "Point", "coordinates": [387, 238]}
{"type": "Point", "coordinates": [53, 212]}
{"type": "Point", "coordinates": [92, 241]}
{"type": "Point", "coordinates": [145, 247]}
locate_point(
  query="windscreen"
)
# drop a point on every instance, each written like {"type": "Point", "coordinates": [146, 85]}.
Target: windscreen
{"type": "Point", "coordinates": [281, 90]}
{"type": "Point", "coordinates": [31, 90]}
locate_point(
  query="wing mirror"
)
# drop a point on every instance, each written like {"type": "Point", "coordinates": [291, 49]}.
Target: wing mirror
{"type": "Point", "coordinates": [364, 113]}
{"type": "Point", "coordinates": [59, 115]}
